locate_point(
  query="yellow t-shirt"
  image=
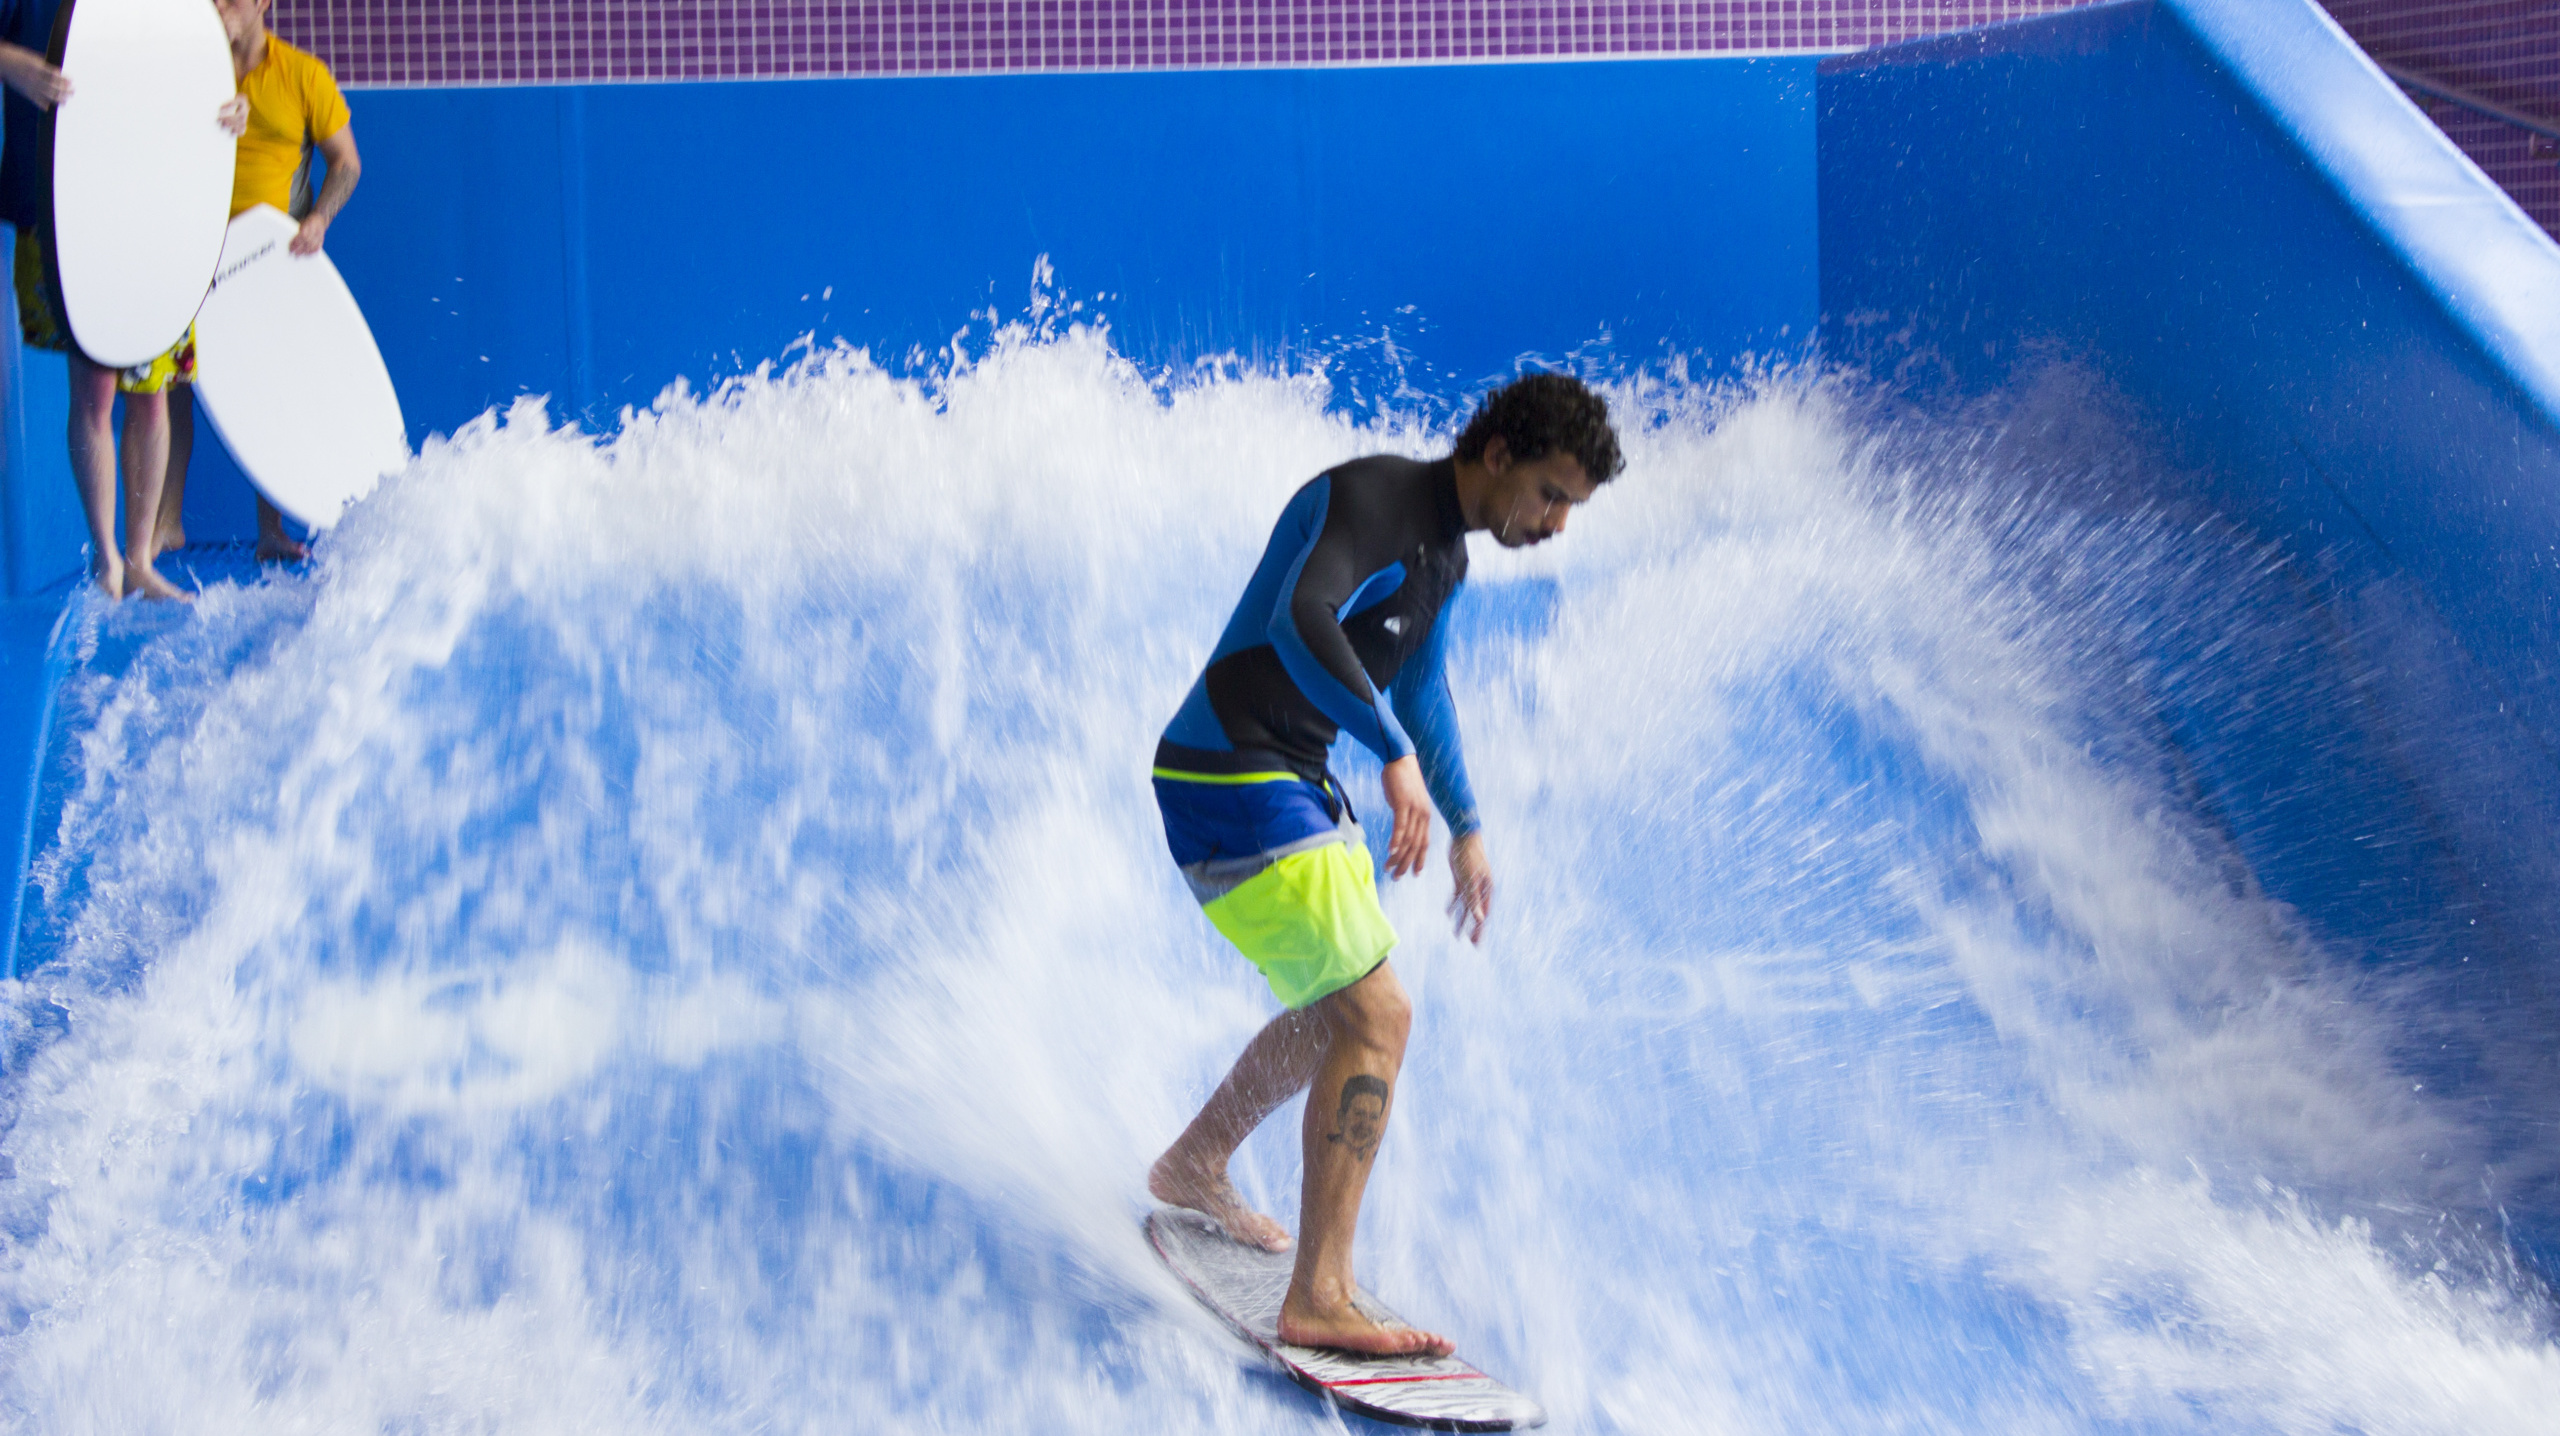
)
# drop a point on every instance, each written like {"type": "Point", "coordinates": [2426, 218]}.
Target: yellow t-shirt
{"type": "Point", "coordinates": [293, 104]}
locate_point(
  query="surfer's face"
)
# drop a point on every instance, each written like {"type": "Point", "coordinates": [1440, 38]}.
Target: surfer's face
{"type": "Point", "coordinates": [1531, 498]}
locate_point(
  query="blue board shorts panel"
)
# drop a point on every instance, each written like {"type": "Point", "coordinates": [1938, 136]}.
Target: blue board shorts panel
{"type": "Point", "coordinates": [1280, 867]}
{"type": "Point", "coordinates": [1208, 817]}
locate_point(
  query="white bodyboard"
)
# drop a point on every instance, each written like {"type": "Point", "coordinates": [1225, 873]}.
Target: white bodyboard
{"type": "Point", "coordinates": [141, 172]}
{"type": "Point", "coordinates": [1244, 1285]}
{"type": "Point", "coordinates": [289, 373]}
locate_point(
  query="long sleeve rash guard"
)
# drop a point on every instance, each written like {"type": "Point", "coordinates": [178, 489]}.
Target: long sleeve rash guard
{"type": "Point", "coordinates": [1339, 631]}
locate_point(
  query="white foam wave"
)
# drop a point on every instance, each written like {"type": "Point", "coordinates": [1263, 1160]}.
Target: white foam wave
{"type": "Point", "coordinates": [671, 934]}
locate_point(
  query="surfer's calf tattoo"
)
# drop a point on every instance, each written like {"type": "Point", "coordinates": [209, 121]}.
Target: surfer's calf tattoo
{"type": "Point", "coordinates": [1362, 1118]}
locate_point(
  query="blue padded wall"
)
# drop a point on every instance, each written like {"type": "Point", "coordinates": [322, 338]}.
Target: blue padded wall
{"type": "Point", "coordinates": [2115, 187]}
{"type": "Point", "coordinates": [40, 525]}
{"type": "Point", "coordinates": [2331, 330]}
{"type": "Point", "coordinates": [607, 239]}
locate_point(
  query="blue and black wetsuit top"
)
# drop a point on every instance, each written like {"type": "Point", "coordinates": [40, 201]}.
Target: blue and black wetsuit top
{"type": "Point", "coordinates": [1339, 631]}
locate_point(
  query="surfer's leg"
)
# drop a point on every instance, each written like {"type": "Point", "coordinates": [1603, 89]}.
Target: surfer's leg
{"type": "Point", "coordinates": [146, 461]}
{"type": "Point", "coordinates": [1366, 1026]}
{"type": "Point", "coordinates": [274, 544]}
{"type": "Point", "coordinates": [91, 430]}
{"type": "Point", "coordinates": [93, 468]}
{"type": "Point", "coordinates": [172, 532]}
{"type": "Point", "coordinates": [1276, 1066]}
{"type": "Point", "coordinates": [146, 469]}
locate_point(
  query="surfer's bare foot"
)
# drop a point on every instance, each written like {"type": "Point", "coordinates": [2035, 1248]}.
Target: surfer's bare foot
{"type": "Point", "coordinates": [141, 579]}
{"type": "Point", "coordinates": [170, 538]}
{"type": "Point", "coordinates": [108, 575]}
{"type": "Point", "coordinates": [1348, 1330]}
{"type": "Point", "coordinates": [1178, 1183]}
{"type": "Point", "coordinates": [281, 548]}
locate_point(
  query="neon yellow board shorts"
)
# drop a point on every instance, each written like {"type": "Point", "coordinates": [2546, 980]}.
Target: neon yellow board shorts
{"type": "Point", "coordinates": [40, 324]}
{"type": "Point", "coordinates": [1280, 867]}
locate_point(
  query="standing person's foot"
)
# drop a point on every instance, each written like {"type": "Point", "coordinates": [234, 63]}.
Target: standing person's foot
{"type": "Point", "coordinates": [172, 537]}
{"type": "Point", "coordinates": [144, 580]}
{"type": "Point", "coordinates": [108, 575]}
{"type": "Point", "coordinates": [281, 548]}
{"type": "Point", "coordinates": [1348, 1330]}
{"type": "Point", "coordinates": [1178, 1183]}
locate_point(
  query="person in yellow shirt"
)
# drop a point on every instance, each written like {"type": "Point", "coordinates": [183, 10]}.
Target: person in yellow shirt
{"type": "Point", "coordinates": [294, 109]}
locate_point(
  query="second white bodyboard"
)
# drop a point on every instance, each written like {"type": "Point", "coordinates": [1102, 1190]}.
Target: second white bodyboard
{"type": "Point", "coordinates": [290, 375]}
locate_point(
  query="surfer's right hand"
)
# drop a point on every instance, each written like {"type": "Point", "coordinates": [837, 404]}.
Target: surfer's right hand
{"type": "Point", "coordinates": [1471, 894]}
{"type": "Point", "coordinates": [1410, 802]}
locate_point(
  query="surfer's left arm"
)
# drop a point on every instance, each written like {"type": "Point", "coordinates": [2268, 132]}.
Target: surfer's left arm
{"type": "Point", "coordinates": [1421, 695]}
{"type": "Point", "coordinates": [340, 152]}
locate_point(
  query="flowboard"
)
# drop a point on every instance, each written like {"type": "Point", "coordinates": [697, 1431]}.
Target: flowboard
{"type": "Point", "coordinates": [1244, 1285]}
{"type": "Point", "coordinates": [141, 172]}
{"type": "Point", "coordinates": [290, 375]}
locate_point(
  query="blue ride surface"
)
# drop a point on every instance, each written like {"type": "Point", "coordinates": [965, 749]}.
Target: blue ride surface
{"type": "Point", "coordinates": [2023, 821]}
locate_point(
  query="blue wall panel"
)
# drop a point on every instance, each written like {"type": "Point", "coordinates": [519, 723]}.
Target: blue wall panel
{"type": "Point", "coordinates": [30, 670]}
{"type": "Point", "coordinates": [2096, 186]}
{"type": "Point", "coordinates": [2102, 186]}
{"type": "Point", "coordinates": [45, 527]}
{"type": "Point", "coordinates": [41, 529]}
{"type": "Point", "coordinates": [2099, 186]}
{"type": "Point", "coordinates": [604, 240]}
{"type": "Point", "coordinates": [455, 245]}
{"type": "Point", "coordinates": [2220, 209]}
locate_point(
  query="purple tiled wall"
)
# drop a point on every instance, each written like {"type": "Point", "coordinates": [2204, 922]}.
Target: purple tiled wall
{"type": "Point", "coordinates": [504, 42]}
{"type": "Point", "coordinates": [2504, 51]}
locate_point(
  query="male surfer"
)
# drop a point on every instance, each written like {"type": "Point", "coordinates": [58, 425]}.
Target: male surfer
{"type": "Point", "coordinates": [294, 107]}
{"type": "Point", "coordinates": [1339, 631]}
{"type": "Point", "coordinates": [26, 194]}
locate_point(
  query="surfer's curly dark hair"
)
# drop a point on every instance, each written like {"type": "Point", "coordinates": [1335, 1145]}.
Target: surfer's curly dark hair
{"type": "Point", "coordinates": [1541, 414]}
